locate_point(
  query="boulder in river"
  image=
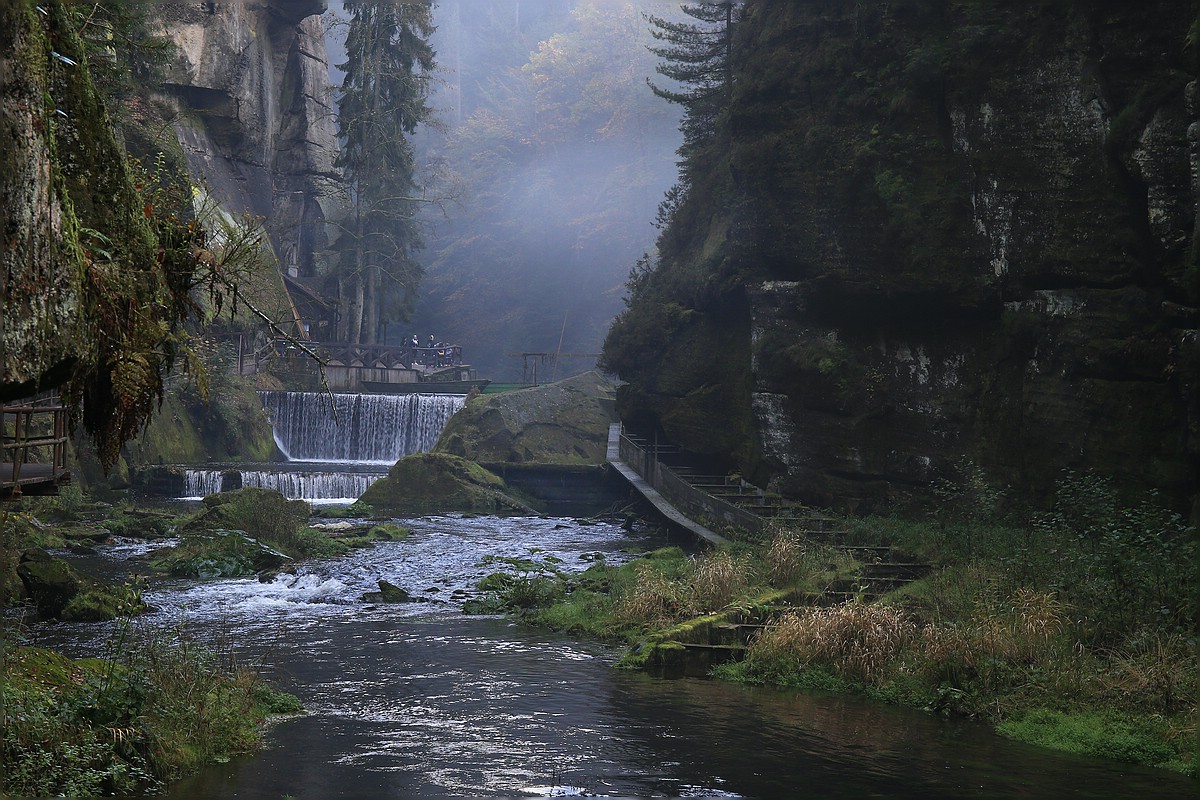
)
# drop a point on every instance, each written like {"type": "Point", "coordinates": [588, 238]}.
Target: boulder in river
{"type": "Point", "coordinates": [431, 483]}
{"type": "Point", "coordinates": [263, 513]}
{"type": "Point", "coordinates": [60, 592]}
{"type": "Point", "coordinates": [559, 423]}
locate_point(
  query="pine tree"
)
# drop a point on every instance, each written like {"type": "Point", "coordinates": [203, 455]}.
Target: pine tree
{"type": "Point", "coordinates": [698, 56]}
{"type": "Point", "coordinates": [383, 99]}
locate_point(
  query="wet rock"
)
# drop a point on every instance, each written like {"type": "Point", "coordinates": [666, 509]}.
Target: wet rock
{"type": "Point", "coordinates": [391, 593]}
{"type": "Point", "coordinates": [559, 423]}
{"type": "Point", "coordinates": [50, 582]}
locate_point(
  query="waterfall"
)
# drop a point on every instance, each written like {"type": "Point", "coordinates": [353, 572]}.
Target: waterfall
{"type": "Point", "coordinates": [201, 482]}
{"type": "Point", "coordinates": [313, 485]}
{"type": "Point", "coordinates": [360, 428]}
{"type": "Point", "coordinates": [327, 486]}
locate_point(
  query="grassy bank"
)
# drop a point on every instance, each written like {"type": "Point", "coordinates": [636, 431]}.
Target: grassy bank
{"type": "Point", "coordinates": [158, 708]}
{"type": "Point", "coordinates": [1073, 629]}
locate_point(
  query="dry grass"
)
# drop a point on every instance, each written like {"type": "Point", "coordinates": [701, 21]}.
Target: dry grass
{"type": "Point", "coordinates": [651, 598]}
{"type": "Point", "coordinates": [786, 559]}
{"type": "Point", "coordinates": [855, 640]}
{"type": "Point", "coordinates": [717, 579]}
{"type": "Point", "coordinates": [1147, 674]}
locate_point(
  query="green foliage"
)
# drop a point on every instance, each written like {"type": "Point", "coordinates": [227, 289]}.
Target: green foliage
{"type": "Point", "coordinates": [1128, 566]}
{"type": "Point", "coordinates": [1120, 738]}
{"type": "Point", "coordinates": [156, 707]}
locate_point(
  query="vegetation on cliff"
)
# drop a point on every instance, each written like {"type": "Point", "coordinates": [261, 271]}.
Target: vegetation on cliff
{"type": "Point", "coordinates": [880, 260]}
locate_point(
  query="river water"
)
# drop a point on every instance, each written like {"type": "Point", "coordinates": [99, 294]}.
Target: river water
{"type": "Point", "coordinates": [418, 700]}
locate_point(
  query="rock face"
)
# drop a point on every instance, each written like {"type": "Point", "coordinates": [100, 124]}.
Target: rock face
{"type": "Point", "coordinates": [43, 330]}
{"type": "Point", "coordinates": [251, 79]}
{"type": "Point", "coordinates": [434, 483]}
{"type": "Point", "coordinates": [957, 238]}
{"type": "Point", "coordinates": [559, 423]}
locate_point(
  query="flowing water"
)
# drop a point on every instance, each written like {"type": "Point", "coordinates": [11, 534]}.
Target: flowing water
{"type": "Point", "coordinates": [418, 700]}
{"type": "Point", "coordinates": [357, 428]}
{"type": "Point", "coordinates": [336, 445]}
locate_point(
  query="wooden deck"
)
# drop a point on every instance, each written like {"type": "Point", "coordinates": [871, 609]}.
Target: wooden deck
{"type": "Point", "coordinates": [39, 427]}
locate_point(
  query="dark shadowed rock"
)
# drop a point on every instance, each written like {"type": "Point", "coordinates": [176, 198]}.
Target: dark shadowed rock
{"type": "Point", "coordinates": [559, 423]}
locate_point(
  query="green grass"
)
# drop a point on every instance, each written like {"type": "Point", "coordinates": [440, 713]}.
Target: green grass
{"type": "Point", "coordinates": [159, 708]}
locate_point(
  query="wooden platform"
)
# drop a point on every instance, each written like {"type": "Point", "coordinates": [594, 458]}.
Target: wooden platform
{"type": "Point", "coordinates": [36, 428]}
{"type": "Point", "coordinates": [33, 479]}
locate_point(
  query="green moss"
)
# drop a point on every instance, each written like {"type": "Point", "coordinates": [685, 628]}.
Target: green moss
{"type": "Point", "coordinates": [435, 482]}
{"type": "Point", "coordinates": [1121, 738]}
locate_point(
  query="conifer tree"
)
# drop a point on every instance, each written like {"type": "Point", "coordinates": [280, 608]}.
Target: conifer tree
{"type": "Point", "coordinates": [383, 99]}
{"type": "Point", "coordinates": [698, 56]}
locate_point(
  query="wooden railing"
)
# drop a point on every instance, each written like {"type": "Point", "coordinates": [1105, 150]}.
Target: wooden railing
{"type": "Point", "coordinates": [23, 427]}
{"type": "Point", "coordinates": [697, 504]}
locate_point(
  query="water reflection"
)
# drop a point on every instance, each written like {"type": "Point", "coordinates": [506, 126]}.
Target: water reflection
{"type": "Point", "coordinates": [420, 701]}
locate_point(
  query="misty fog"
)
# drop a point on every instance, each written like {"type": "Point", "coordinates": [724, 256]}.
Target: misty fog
{"type": "Point", "coordinates": [547, 163]}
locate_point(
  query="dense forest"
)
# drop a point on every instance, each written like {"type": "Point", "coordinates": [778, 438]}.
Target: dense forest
{"type": "Point", "coordinates": [552, 160]}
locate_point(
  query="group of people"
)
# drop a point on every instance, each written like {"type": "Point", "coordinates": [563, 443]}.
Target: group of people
{"type": "Point", "coordinates": [433, 354]}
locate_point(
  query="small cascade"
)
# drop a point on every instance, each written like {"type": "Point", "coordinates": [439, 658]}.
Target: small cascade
{"type": "Point", "coordinates": [313, 485]}
{"type": "Point", "coordinates": [202, 482]}
{"type": "Point", "coordinates": [360, 428]}
{"type": "Point", "coordinates": [301, 485]}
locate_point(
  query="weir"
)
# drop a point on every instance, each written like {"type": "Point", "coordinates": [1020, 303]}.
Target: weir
{"type": "Point", "coordinates": [357, 428]}
{"type": "Point", "coordinates": [297, 484]}
{"type": "Point", "coordinates": [334, 448]}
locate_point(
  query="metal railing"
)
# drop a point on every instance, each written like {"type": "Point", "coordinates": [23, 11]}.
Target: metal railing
{"type": "Point", "coordinates": [690, 501]}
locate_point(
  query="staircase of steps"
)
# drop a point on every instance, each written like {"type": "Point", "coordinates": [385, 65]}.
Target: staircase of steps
{"type": "Point", "coordinates": [693, 649]}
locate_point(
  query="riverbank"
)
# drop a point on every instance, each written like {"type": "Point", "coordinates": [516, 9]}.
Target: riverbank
{"type": "Point", "coordinates": [156, 703]}
{"type": "Point", "coordinates": [1073, 630]}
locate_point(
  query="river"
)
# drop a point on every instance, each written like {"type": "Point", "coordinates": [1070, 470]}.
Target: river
{"type": "Point", "coordinates": [418, 700]}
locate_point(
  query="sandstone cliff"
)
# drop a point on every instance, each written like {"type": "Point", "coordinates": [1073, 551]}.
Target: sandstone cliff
{"type": "Point", "coordinates": [942, 237]}
{"type": "Point", "coordinates": [256, 115]}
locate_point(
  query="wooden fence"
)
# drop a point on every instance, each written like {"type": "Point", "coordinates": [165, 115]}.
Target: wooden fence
{"type": "Point", "coordinates": [39, 425]}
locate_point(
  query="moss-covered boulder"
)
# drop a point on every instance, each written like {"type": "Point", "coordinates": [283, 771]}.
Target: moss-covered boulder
{"type": "Point", "coordinates": [559, 423]}
{"type": "Point", "coordinates": [220, 554]}
{"type": "Point", "coordinates": [262, 513]}
{"type": "Point", "coordinates": [430, 483]}
{"type": "Point", "coordinates": [60, 592]}
{"type": "Point", "coordinates": [50, 582]}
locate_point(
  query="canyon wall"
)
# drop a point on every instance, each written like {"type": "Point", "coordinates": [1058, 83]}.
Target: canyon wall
{"type": "Point", "coordinates": [954, 241]}
{"type": "Point", "coordinates": [255, 115]}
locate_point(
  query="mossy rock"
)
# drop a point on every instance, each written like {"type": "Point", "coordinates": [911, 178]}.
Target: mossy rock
{"type": "Point", "coordinates": [389, 532]}
{"type": "Point", "coordinates": [220, 554]}
{"type": "Point", "coordinates": [262, 513]}
{"type": "Point", "coordinates": [98, 602]}
{"type": "Point", "coordinates": [60, 592]}
{"type": "Point", "coordinates": [50, 582]}
{"type": "Point", "coordinates": [391, 593]}
{"type": "Point", "coordinates": [430, 483]}
{"type": "Point", "coordinates": [559, 423]}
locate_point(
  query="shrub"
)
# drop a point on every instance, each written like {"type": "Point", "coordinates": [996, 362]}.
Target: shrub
{"type": "Point", "coordinates": [856, 641]}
